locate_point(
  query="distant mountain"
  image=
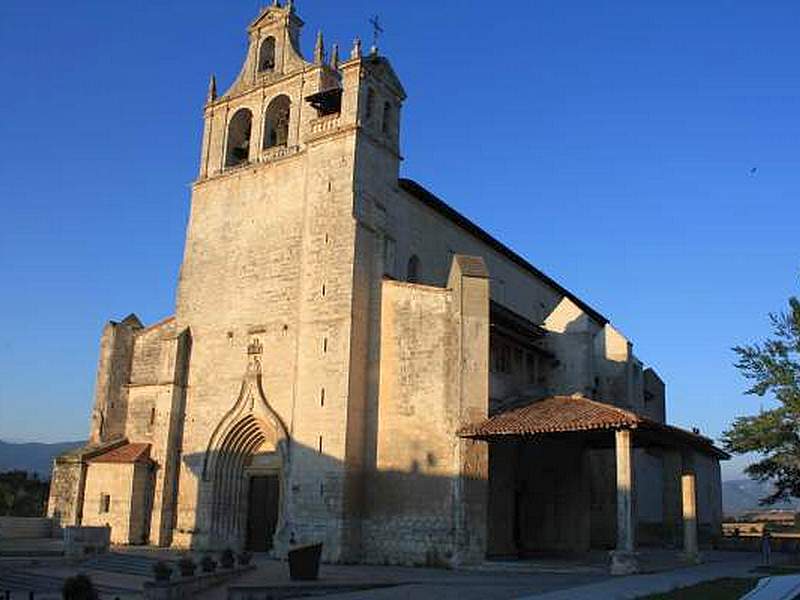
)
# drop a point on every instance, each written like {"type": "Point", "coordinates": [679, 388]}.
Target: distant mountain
{"type": "Point", "coordinates": [32, 457]}
{"type": "Point", "coordinates": [742, 495]}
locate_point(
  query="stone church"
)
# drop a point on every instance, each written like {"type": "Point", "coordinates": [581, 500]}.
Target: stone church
{"type": "Point", "coordinates": [353, 362]}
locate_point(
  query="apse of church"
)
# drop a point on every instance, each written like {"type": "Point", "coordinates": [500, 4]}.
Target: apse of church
{"type": "Point", "coordinates": [337, 332]}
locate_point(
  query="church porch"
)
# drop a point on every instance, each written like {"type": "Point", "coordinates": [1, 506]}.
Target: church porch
{"type": "Point", "coordinates": [569, 476]}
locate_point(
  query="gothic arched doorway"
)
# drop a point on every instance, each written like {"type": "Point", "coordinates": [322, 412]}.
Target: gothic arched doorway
{"type": "Point", "coordinates": [246, 467]}
{"type": "Point", "coordinates": [246, 495]}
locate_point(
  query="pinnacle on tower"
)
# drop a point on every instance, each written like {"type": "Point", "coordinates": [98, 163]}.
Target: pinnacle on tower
{"type": "Point", "coordinates": [335, 57]}
{"type": "Point", "coordinates": [356, 51]}
{"type": "Point", "coordinates": [212, 89]}
{"type": "Point", "coordinates": [319, 49]}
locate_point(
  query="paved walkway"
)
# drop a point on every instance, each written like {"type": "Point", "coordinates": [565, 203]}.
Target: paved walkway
{"type": "Point", "coordinates": [407, 582]}
{"type": "Point", "coordinates": [543, 580]}
{"type": "Point", "coordinates": [122, 574]}
{"type": "Point", "coordinates": [635, 586]}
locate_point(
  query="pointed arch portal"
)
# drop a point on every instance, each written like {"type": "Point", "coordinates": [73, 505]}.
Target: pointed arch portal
{"type": "Point", "coordinates": [246, 466]}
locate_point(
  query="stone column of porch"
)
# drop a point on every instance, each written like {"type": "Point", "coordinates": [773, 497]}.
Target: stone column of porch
{"type": "Point", "coordinates": [623, 559]}
{"type": "Point", "coordinates": [689, 495]}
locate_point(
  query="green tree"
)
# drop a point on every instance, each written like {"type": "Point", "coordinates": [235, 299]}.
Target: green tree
{"type": "Point", "coordinates": [22, 495]}
{"type": "Point", "coordinates": [773, 367]}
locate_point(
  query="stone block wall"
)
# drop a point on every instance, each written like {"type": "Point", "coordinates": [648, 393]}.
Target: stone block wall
{"type": "Point", "coordinates": [426, 495]}
{"type": "Point", "coordinates": [128, 488]}
{"type": "Point", "coordinates": [66, 491]}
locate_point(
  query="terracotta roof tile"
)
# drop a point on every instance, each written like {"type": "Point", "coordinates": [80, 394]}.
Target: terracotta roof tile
{"type": "Point", "coordinates": [561, 414]}
{"type": "Point", "coordinates": [127, 453]}
{"type": "Point", "coordinates": [556, 414]}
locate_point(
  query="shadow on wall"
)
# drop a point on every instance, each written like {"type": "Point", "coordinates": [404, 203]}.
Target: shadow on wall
{"type": "Point", "coordinates": [274, 497]}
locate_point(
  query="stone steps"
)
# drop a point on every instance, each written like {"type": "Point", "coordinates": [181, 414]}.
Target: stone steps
{"type": "Point", "coordinates": [126, 564]}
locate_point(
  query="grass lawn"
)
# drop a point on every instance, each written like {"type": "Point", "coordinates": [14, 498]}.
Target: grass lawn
{"type": "Point", "coordinates": [728, 588]}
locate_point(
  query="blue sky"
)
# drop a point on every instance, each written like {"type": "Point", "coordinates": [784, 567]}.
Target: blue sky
{"type": "Point", "coordinates": [611, 143]}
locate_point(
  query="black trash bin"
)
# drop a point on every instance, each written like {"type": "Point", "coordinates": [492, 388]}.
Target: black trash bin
{"type": "Point", "coordinates": [304, 562]}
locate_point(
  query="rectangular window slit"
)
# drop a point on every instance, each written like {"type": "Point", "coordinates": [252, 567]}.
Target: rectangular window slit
{"type": "Point", "coordinates": [322, 397]}
{"type": "Point", "coordinates": [324, 345]}
{"type": "Point", "coordinates": [320, 444]}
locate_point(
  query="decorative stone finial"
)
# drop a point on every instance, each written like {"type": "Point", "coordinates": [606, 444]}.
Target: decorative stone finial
{"type": "Point", "coordinates": [356, 51]}
{"type": "Point", "coordinates": [255, 347]}
{"type": "Point", "coordinates": [319, 49]}
{"type": "Point", "coordinates": [335, 57]}
{"type": "Point", "coordinates": [212, 89]}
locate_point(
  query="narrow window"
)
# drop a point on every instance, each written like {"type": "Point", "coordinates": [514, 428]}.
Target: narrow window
{"type": "Point", "coordinates": [389, 251]}
{"type": "Point", "coordinates": [266, 56]}
{"type": "Point", "coordinates": [370, 110]}
{"type": "Point", "coordinates": [276, 122]}
{"type": "Point", "coordinates": [238, 148]}
{"type": "Point", "coordinates": [105, 503]}
{"type": "Point", "coordinates": [387, 115]}
{"type": "Point", "coordinates": [324, 345]}
{"type": "Point", "coordinates": [320, 444]}
{"type": "Point", "coordinates": [414, 269]}
{"type": "Point", "coordinates": [322, 397]}
{"type": "Point", "coordinates": [152, 416]}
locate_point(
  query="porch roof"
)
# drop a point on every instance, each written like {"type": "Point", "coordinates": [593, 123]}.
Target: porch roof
{"type": "Point", "coordinates": [570, 414]}
{"type": "Point", "coordinates": [127, 454]}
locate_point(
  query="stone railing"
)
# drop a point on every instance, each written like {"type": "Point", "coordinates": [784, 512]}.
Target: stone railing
{"type": "Point", "coordinates": [277, 153]}
{"type": "Point", "coordinates": [325, 124]}
{"type": "Point", "coordinates": [82, 541]}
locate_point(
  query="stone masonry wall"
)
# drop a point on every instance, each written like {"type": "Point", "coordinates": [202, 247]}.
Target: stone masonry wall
{"type": "Point", "coordinates": [66, 493]}
{"type": "Point", "coordinates": [116, 480]}
{"type": "Point", "coordinates": [410, 493]}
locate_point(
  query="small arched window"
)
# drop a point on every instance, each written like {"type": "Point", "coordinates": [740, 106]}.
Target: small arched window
{"type": "Point", "coordinates": [276, 122]}
{"type": "Point", "coordinates": [237, 150]}
{"type": "Point", "coordinates": [386, 124]}
{"type": "Point", "coordinates": [266, 55]}
{"type": "Point", "coordinates": [414, 271]}
{"type": "Point", "coordinates": [370, 109]}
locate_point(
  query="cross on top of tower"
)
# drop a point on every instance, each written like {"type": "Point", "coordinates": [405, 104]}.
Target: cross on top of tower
{"type": "Point", "coordinates": [376, 31]}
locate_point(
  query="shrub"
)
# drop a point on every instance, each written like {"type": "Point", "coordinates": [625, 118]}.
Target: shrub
{"type": "Point", "coordinates": [208, 564]}
{"type": "Point", "coordinates": [244, 558]}
{"type": "Point", "coordinates": [187, 566]}
{"type": "Point", "coordinates": [79, 587]}
{"type": "Point", "coordinates": [162, 571]}
{"type": "Point", "coordinates": [227, 559]}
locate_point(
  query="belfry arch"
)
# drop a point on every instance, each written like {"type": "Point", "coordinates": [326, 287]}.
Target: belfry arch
{"type": "Point", "coordinates": [237, 148]}
{"type": "Point", "coordinates": [245, 469]}
{"type": "Point", "coordinates": [276, 122]}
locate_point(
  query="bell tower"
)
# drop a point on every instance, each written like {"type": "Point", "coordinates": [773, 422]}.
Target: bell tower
{"type": "Point", "coordinates": [281, 247]}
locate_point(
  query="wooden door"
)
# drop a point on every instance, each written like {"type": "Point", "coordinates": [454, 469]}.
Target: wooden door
{"type": "Point", "coordinates": [262, 512]}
